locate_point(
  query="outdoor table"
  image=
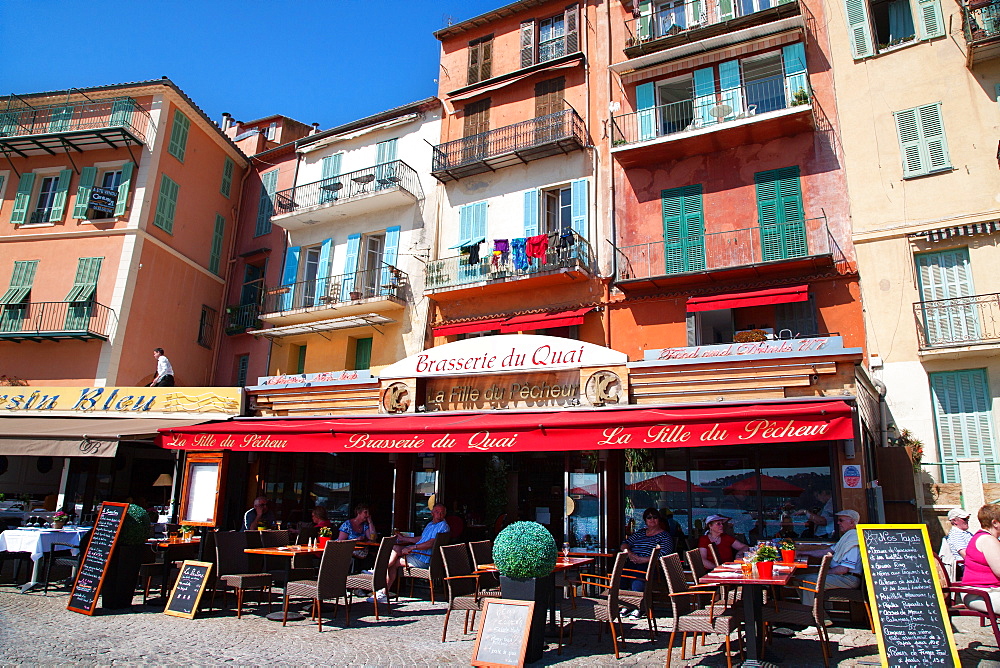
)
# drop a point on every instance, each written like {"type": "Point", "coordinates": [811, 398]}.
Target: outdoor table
{"type": "Point", "coordinates": [562, 564]}
{"type": "Point", "coordinates": [285, 551]}
{"type": "Point", "coordinates": [753, 603]}
{"type": "Point", "coordinates": [36, 542]}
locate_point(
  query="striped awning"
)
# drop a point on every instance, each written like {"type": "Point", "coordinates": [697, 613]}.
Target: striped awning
{"type": "Point", "coordinates": [972, 229]}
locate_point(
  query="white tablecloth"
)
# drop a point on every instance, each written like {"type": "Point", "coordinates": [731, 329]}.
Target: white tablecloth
{"type": "Point", "coordinates": [39, 541]}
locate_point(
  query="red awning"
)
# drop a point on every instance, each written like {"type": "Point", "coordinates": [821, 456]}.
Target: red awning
{"type": "Point", "coordinates": [548, 320]}
{"type": "Point", "coordinates": [798, 293]}
{"type": "Point", "coordinates": [528, 431]}
{"type": "Point", "coordinates": [484, 325]}
{"type": "Point", "coordinates": [768, 485]}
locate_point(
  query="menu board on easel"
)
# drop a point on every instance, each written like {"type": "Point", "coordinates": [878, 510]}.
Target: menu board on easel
{"type": "Point", "coordinates": [202, 490]}
{"type": "Point", "coordinates": [187, 591]}
{"type": "Point", "coordinates": [503, 634]}
{"type": "Point", "coordinates": [94, 564]}
{"type": "Point", "coordinates": [911, 620]}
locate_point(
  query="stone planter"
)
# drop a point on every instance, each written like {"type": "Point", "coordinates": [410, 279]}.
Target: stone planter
{"type": "Point", "coordinates": [539, 590]}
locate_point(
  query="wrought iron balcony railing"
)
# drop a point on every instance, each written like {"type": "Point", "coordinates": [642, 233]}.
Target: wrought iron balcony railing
{"type": "Point", "coordinates": [533, 139]}
{"type": "Point", "coordinates": [241, 317]}
{"type": "Point", "coordinates": [378, 178]}
{"type": "Point", "coordinates": [981, 21]}
{"type": "Point", "coordinates": [674, 18]}
{"type": "Point", "coordinates": [384, 281]}
{"type": "Point", "coordinates": [55, 320]}
{"type": "Point", "coordinates": [454, 272]}
{"type": "Point", "coordinates": [711, 111]}
{"type": "Point", "coordinates": [714, 251]}
{"type": "Point", "coordinates": [961, 321]}
{"type": "Point", "coordinates": [18, 120]}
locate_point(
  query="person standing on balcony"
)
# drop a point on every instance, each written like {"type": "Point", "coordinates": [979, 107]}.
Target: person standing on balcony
{"type": "Point", "coordinates": [164, 371]}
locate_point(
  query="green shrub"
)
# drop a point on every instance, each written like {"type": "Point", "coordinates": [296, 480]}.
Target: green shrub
{"type": "Point", "coordinates": [525, 550]}
{"type": "Point", "coordinates": [766, 553]}
{"type": "Point", "coordinates": [135, 528]}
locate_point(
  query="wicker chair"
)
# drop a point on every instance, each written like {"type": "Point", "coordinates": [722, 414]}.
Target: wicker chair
{"type": "Point", "coordinates": [482, 553]}
{"type": "Point", "coordinates": [434, 571]}
{"type": "Point", "coordinates": [953, 599]}
{"type": "Point", "coordinates": [790, 612]}
{"type": "Point", "coordinates": [376, 580]}
{"type": "Point", "coordinates": [654, 584]}
{"type": "Point", "coordinates": [307, 534]}
{"type": "Point", "coordinates": [463, 585]}
{"type": "Point", "coordinates": [234, 569]}
{"type": "Point", "coordinates": [601, 609]}
{"type": "Point", "coordinates": [334, 567]}
{"type": "Point", "coordinates": [689, 616]}
{"type": "Point", "coordinates": [853, 596]}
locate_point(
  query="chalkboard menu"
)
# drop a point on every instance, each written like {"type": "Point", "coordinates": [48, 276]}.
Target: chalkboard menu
{"type": "Point", "coordinates": [188, 589]}
{"type": "Point", "coordinates": [503, 634]}
{"type": "Point", "coordinates": [94, 564]}
{"type": "Point", "coordinates": [911, 622]}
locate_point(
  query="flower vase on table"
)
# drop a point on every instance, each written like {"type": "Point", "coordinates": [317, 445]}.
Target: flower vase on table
{"type": "Point", "coordinates": [765, 558]}
{"type": "Point", "coordinates": [59, 519]}
{"type": "Point", "coordinates": [787, 548]}
{"type": "Point", "coordinates": [325, 536]}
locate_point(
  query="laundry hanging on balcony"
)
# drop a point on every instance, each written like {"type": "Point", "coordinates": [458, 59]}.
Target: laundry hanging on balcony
{"type": "Point", "coordinates": [537, 246]}
{"type": "Point", "coordinates": [566, 238]}
{"type": "Point", "coordinates": [501, 252]}
{"type": "Point", "coordinates": [471, 253]}
{"type": "Point", "coordinates": [517, 247]}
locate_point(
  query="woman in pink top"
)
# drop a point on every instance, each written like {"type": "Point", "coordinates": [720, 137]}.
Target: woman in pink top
{"type": "Point", "coordinates": [982, 560]}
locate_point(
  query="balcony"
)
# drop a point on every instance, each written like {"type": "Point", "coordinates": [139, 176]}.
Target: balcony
{"type": "Point", "coordinates": [574, 260]}
{"type": "Point", "coordinates": [379, 187]}
{"type": "Point", "coordinates": [364, 291]}
{"type": "Point", "coordinates": [751, 114]}
{"type": "Point", "coordinates": [950, 325]}
{"type": "Point", "coordinates": [241, 317]}
{"type": "Point", "coordinates": [54, 321]}
{"type": "Point", "coordinates": [745, 254]}
{"type": "Point", "coordinates": [981, 23]}
{"type": "Point", "coordinates": [520, 143]}
{"type": "Point", "coordinates": [77, 126]}
{"type": "Point", "coordinates": [698, 20]}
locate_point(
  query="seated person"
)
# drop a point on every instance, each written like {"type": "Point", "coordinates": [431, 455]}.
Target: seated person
{"type": "Point", "coordinates": [982, 560]}
{"type": "Point", "coordinates": [726, 546]}
{"type": "Point", "coordinates": [360, 527]}
{"type": "Point", "coordinates": [319, 518]}
{"type": "Point", "coordinates": [415, 552]}
{"type": "Point", "coordinates": [260, 516]}
{"type": "Point", "coordinates": [640, 547]}
{"type": "Point", "coordinates": [959, 536]}
{"type": "Point", "coordinates": [845, 568]}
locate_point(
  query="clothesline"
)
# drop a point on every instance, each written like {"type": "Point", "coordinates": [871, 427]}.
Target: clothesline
{"type": "Point", "coordinates": [517, 250]}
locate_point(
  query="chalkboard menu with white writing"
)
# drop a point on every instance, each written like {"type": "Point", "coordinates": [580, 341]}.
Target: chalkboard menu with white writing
{"type": "Point", "coordinates": [188, 589]}
{"type": "Point", "coordinates": [503, 634]}
{"type": "Point", "coordinates": [911, 622]}
{"type": "Point", "coordinates": [94, 564]}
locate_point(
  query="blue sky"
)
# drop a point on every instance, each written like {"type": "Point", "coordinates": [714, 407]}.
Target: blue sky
{"type": "Point", "coordinates": [328, 62]}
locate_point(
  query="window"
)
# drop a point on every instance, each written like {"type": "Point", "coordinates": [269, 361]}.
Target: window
{"type": "Point", "coordinates": [780, 214]}
{"type": "Point", "coordinates": [166, 204]}
{"type": "Point", "coordinates": [265, 204]}
{"type": "Point", "coordinates": [300, 360]}
{"type": "Point", "coordinates": [683, 229]}
{"type": "Point", "coordinates": [945, 282]}
{"type": "Point", "coordinates": [14, 302]}
{"type": "Point", "coordinates": [242, 368]}
{"type": "Point", "coordinates": [480, 59]}
{"type": "Point", "coordinates": [922, 143]}
{"type": "Point", "coordinates": [799, 318]}
{"type": "Point", "coordinates": [963, 419]}
{"type": "Point", "coordinates": [558, 210]}
{"type": "Point", "coordinates": [310, 273]}
{"type": "Point", "coordinates": [561, 208]}
{"type": "Point", "coordinates": [206, 326]}
{"type": "Point", "coordinates": [40, 198]}
{"type": "Point", "coordinates": [179, 135]}
{"type": "Point", "coordinates": [116, 182]}
{"type": "Point", "coordinates": [253, 284]}
{"type": "Point", "coordinates": [227, 177]}
{"type": "Point", "coordinates": [46, 198]}
{"type": "Point", "coordinates": [215, 256]}
{"type": "Point", "coordinates": [550, 38]}
{"type": "Point", "coordinates": [877, 25]}
{"type": "Point", "coordinates": [370, 263]}
{"type": "Point", "coordinates": [82, 295]}
{"type": "Point", "coordinates": [362, 353]}
{"type": "Point", "coordinates": [477, 117]}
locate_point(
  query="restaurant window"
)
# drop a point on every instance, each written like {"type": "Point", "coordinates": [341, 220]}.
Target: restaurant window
{"type": "Point", "coordinates": [790, 489]}
{"type": "Point", "coordinates": [206, 326]}
{"type": "Point", "coordinates": [796, 319]}
{"type": "Point", "coordinates": [584, 502]}
{"type": "Point", "coordinates": [480, 59]}
{"type": "Point", "coordinates": [656, 478]}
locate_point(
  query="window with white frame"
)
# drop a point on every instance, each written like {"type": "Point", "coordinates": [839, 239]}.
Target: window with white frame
{"type": "Point", "coordinates": [44, 200]}
{"type": "Point", "coordinates": [551, 42]}
{"type": "Point", "coordinates": [875, 26]}
{"type": "Point", "coordinates": [558, 209]}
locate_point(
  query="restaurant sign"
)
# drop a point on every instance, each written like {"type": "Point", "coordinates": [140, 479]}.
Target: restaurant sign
{"type": "Point", "coordinates": [817, 345]}
{"type": "Point", "coordinates": [121, 401]}
{"type": "Point", "coordinates": [310, 378]}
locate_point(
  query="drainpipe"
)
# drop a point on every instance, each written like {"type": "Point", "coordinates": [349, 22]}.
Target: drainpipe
{"type": "Point", "coordinates": [611, 162]}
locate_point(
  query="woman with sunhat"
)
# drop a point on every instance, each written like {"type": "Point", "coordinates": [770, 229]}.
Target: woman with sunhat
{"type": "Point", "coordinates": [727, 547]}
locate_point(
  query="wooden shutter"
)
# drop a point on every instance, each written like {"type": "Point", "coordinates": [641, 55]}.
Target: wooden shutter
{"type": "Point", "coordinates": [793, 59]}
{"type": "Point", "coordinates": [87, 176]}
{"type": "Point", "coordinates": [579, 206]}
{"type": "Point", "coordinates": [121, 113]}
{"type": "Point", "coordinates": [480, 59]}
{"type": "Point", "coordinates": [729, 85]}
{"type": "Point", "coordinates": [179, 135]}
{"type": "Point", "coordinates": [61, 194]}
{"type": "Point", "coordinates": [124, 187]}
{"type": "Point", "coordinates": [530, 213]}
{"type": "Point", "coordinates": [20, 282]}
{"type": "Point", "coordinates": [932, 19]}
{"type": "Point", "coordinates": [166, 204]}
{"type": "Point", "coordinates": [265, 203]}
{"type": "Point", "coordinates": [528, 43]}
{"type": "Point", "coordinates": [908, 132]}
{"type": "Point", "coordinates": [704, 94]}
{"type": "Point", "coordinates": [477, 117]}
{"type": "Point", "coordinates": [475, 52]}
{"type": "Point", "coordinates": [963, 419]}
{"type": "Point", "coordinates": [215, 257]}
{"type": "Point", "coordinates": [351, 262]}
{"type": "Point", "coordinates": [780, 214]}
{"type": "Point", "coordinates": [390, 254]}
{"type": "Point", "coordinates": [331, 169]}
{"type": "Point", "coordinates": [572, 22]}
{"type": "Point", "coordinates": [645, 103]}
{"type": "Point", "coordinates": [860, 29]}
{"type": "Point", "coordinates": [22, 199]}
{"type": "Point", "coordinates": [549, 96]}
{"type": "Point", "coordinates": [227, 177]}
{"type": "Point", "coordinates": [683, 229]}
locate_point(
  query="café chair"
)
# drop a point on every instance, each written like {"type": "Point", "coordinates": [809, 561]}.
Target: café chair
{"type": "Point", "coordinates": [654, 584]}
{"type": "Point", "coordinates": [482, 553]}
{"type": "Point", "coordinates": [853, 596]}
{"type": "Point", "coordinates": [434, 571]}
{"type": "Point", "coordinates": [793, 612]}
{"type": "Point", "coordinates": [331, 583]}
{"type": "Point", "coordinates": [61, 554]}
{"type": "Point", "coordinates": [956, 607]}
{"type": "Point", "coordinates": [375, 581]}
{"type": "Point", "coordinates": [234, 569]}
{"type": "Point", "coordinates": [689, 613]}
{"type": "Point", "coordinates": [604, 608]}
{"type": "Point", "coordinates": [307, 534]}
{"type": "Point", "coordinates": [462, 584]}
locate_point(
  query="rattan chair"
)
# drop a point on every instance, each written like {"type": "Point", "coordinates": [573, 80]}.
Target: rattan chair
{"type": "Point", "coordinates": [376, 580]}
{"type": "Point", "coordinates": [434, 571]}
{"type": "Point", "coordinates": [463, 585]}
{"type": "Point", "coordinates": [653, 585]}
{"type": "Point", "coordinates": [790, 612]}
{"type": "Point", "coordinates": [600, 609]}
{"type": "Point", "coordinates": [331, 583]}
{"type": "Point", "coordinates": [482, 553]}
{"type": "Point", "coordinates": [234, 569]}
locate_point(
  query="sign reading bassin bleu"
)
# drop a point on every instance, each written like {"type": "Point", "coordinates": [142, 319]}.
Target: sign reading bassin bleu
{"type": "Point", "coordinates": [122, 401]}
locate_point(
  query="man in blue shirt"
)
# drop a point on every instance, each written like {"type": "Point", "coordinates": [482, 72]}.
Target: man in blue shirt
{"type": "Point", "coordinates": [415, 552]}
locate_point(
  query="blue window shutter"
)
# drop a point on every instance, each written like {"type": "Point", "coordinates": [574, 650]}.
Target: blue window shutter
{"type": "Point", "coordinates": [908, 133]}
{"type": "Point", "coordinates": [385, 151]}
{"type": "Point", "coordinates": [351, 262]}
{"type": "Point", "coordinates": [87, 176]}
{"type": "Point", "coordinates": [23, 198]}
{"type": "Point", "coordinates": [704, 94]}
{"type": "Point", "coordinates": [479, 220]}
{"type": "Point", "coordinates": [946, 275]}
{"type": "Point", "coordinates": [579, 206]}
{"type": "Point", "coordinates": [323, 272]}
{"type": "Point", "coordinates": [645, 103]}
{"type": "Point", "coordinates": [288, 276]}
{"type": "Point", "coordinates": [860, 29]}
{"type": "Point", "coordinates": [62, 192]}
{"type": "Point", "coordinates": [464, 223]}
{"type": "Point", "coordinates": [932, 19]}
{"type": "Point", "coordinates": [265, 204]}
{"type": "Point", "coordinates": [530, 213]}
{"type": "Point", "coordinates": [793, 58]}
{"type": "Point", "coordinates": [124, 187]}
{"type": "Point", "coordinates": [729, 83]}
{"type": "Point", "coordinates": [935, 145]}
{"type": "Point", "coordinates": [963, 419]}
{"type": "Point", "coordinates": [389, 255]}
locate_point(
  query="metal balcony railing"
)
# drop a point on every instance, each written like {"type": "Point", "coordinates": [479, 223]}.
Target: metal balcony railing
{"type": "Point", "coordinates": [55, 320]}
{"type": "Point", "coordinates": [456, 271]}
{"type": "Point", "coordinates": [18, 119]}
{"type": "Point", "coordinates": [711, 111]}
{"type": "Point", "coordinates": [378, 178]}
{"type": "Point", "coordinates": [241, 317]}
{"type": "Point", "coordinates": [673, 18]}
{"type": "Point", "coordinates": [961, 321]}
{"type": "Point", "coordinates": [981, 21]}
{"type": "Point", "coordinates": [560, 127]}
{"type": "Point", "coordinates": [723, 250]}
{"type": "Point", "coordinates": [384, 281]}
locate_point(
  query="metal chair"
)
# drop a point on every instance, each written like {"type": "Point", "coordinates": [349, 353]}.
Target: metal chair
{"type": "Point", "coordinates": [791, 612]}
{"type": "Point", "coordinates": [600, 609]}
{"type": "Point", "coordinates": [376, 580]}
{"type": "Point", "coordinates": [434, 571]}
{"type": "Point", "coordinates": [958, 608]}
{"type": "Point", "coordinates": [234, 569]}
{"type": "Point", "coordinates": [463, 586]}
{"type": "Point", "coordinates": [330, 584]}
{"type": "Point", "coordinates": [61, 554]}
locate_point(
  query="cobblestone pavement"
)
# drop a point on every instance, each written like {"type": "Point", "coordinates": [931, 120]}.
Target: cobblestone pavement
{"type": "Point", "coordinates": [36, 629]}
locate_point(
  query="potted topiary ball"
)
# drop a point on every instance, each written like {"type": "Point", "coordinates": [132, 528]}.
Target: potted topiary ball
{"type": "Point", "coordinates": [126, 559]}
{"type": "Point", "coordinates": [525, 555]}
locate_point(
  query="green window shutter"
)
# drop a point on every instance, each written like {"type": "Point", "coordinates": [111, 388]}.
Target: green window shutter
{"type": "Point", "coordinates": [215, 257]}
{"type": "Point", "coordinates": [683, 229]}
{"type": "Point", "coordinates": [963, 419]}
{"type": "Point", "coordinates": [179, 135]}
{"type": "Point", "coordinates": [931, 19]}
{"type": "Point", "coordinates": [645, 103]}
{"type": "Point", "coordinates": [265, 204]}
{"type": "Point", "coordinates": [124, 187]}
{"type": "Point", "coordinates": [85, 283]}
{"type": "Point", "coordinates": [945, 275]}
{"type": "Point", "coordinates": [860, 29]}
{"type": "Point", "coordinates": [87, 176]}
{"type": "Point", "coordinates": [23, 198]}
{"type": "Point", "coordinates": [166, 204]}
{"type": "Point", "coordinates": [331, 168]}
{"type": "Point", "coordinates": [386, 153]}
{"type": "Point", "coordinates": [780, 214]}
{"type": "Point", "coordinates": [62, 191]}
{"type": "Point", "coordinates": [644, 25]}
{"type": "Point", "coordinates": [725, 11]}
{"type": "Point", "coordinates": [922, 141]}
{"type": "Point", "coordinates": [300, 366]}
{"type": "Point", "coordinates": [60, 119]}
{"type": "Point", "coordinates": [8, 123]}
{"type": "Point", "coordinates": [363, 353]}
{"type": "Point", "coordinates": [935, 145]}
{"type": "Point", "coordinates": [227, 177]}
{"type": "Point", "coordinates": [908, 132]}
{"type": "Point", "coordinates": [20, 282]}
{"type": "Point", "coordinates": [121, 113]}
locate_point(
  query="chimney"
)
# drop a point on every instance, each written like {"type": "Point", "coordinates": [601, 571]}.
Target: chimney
{"type": "Point", "coordinates": [315, 129]}
{"type": "Point", "coordinates": [227, 120]}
